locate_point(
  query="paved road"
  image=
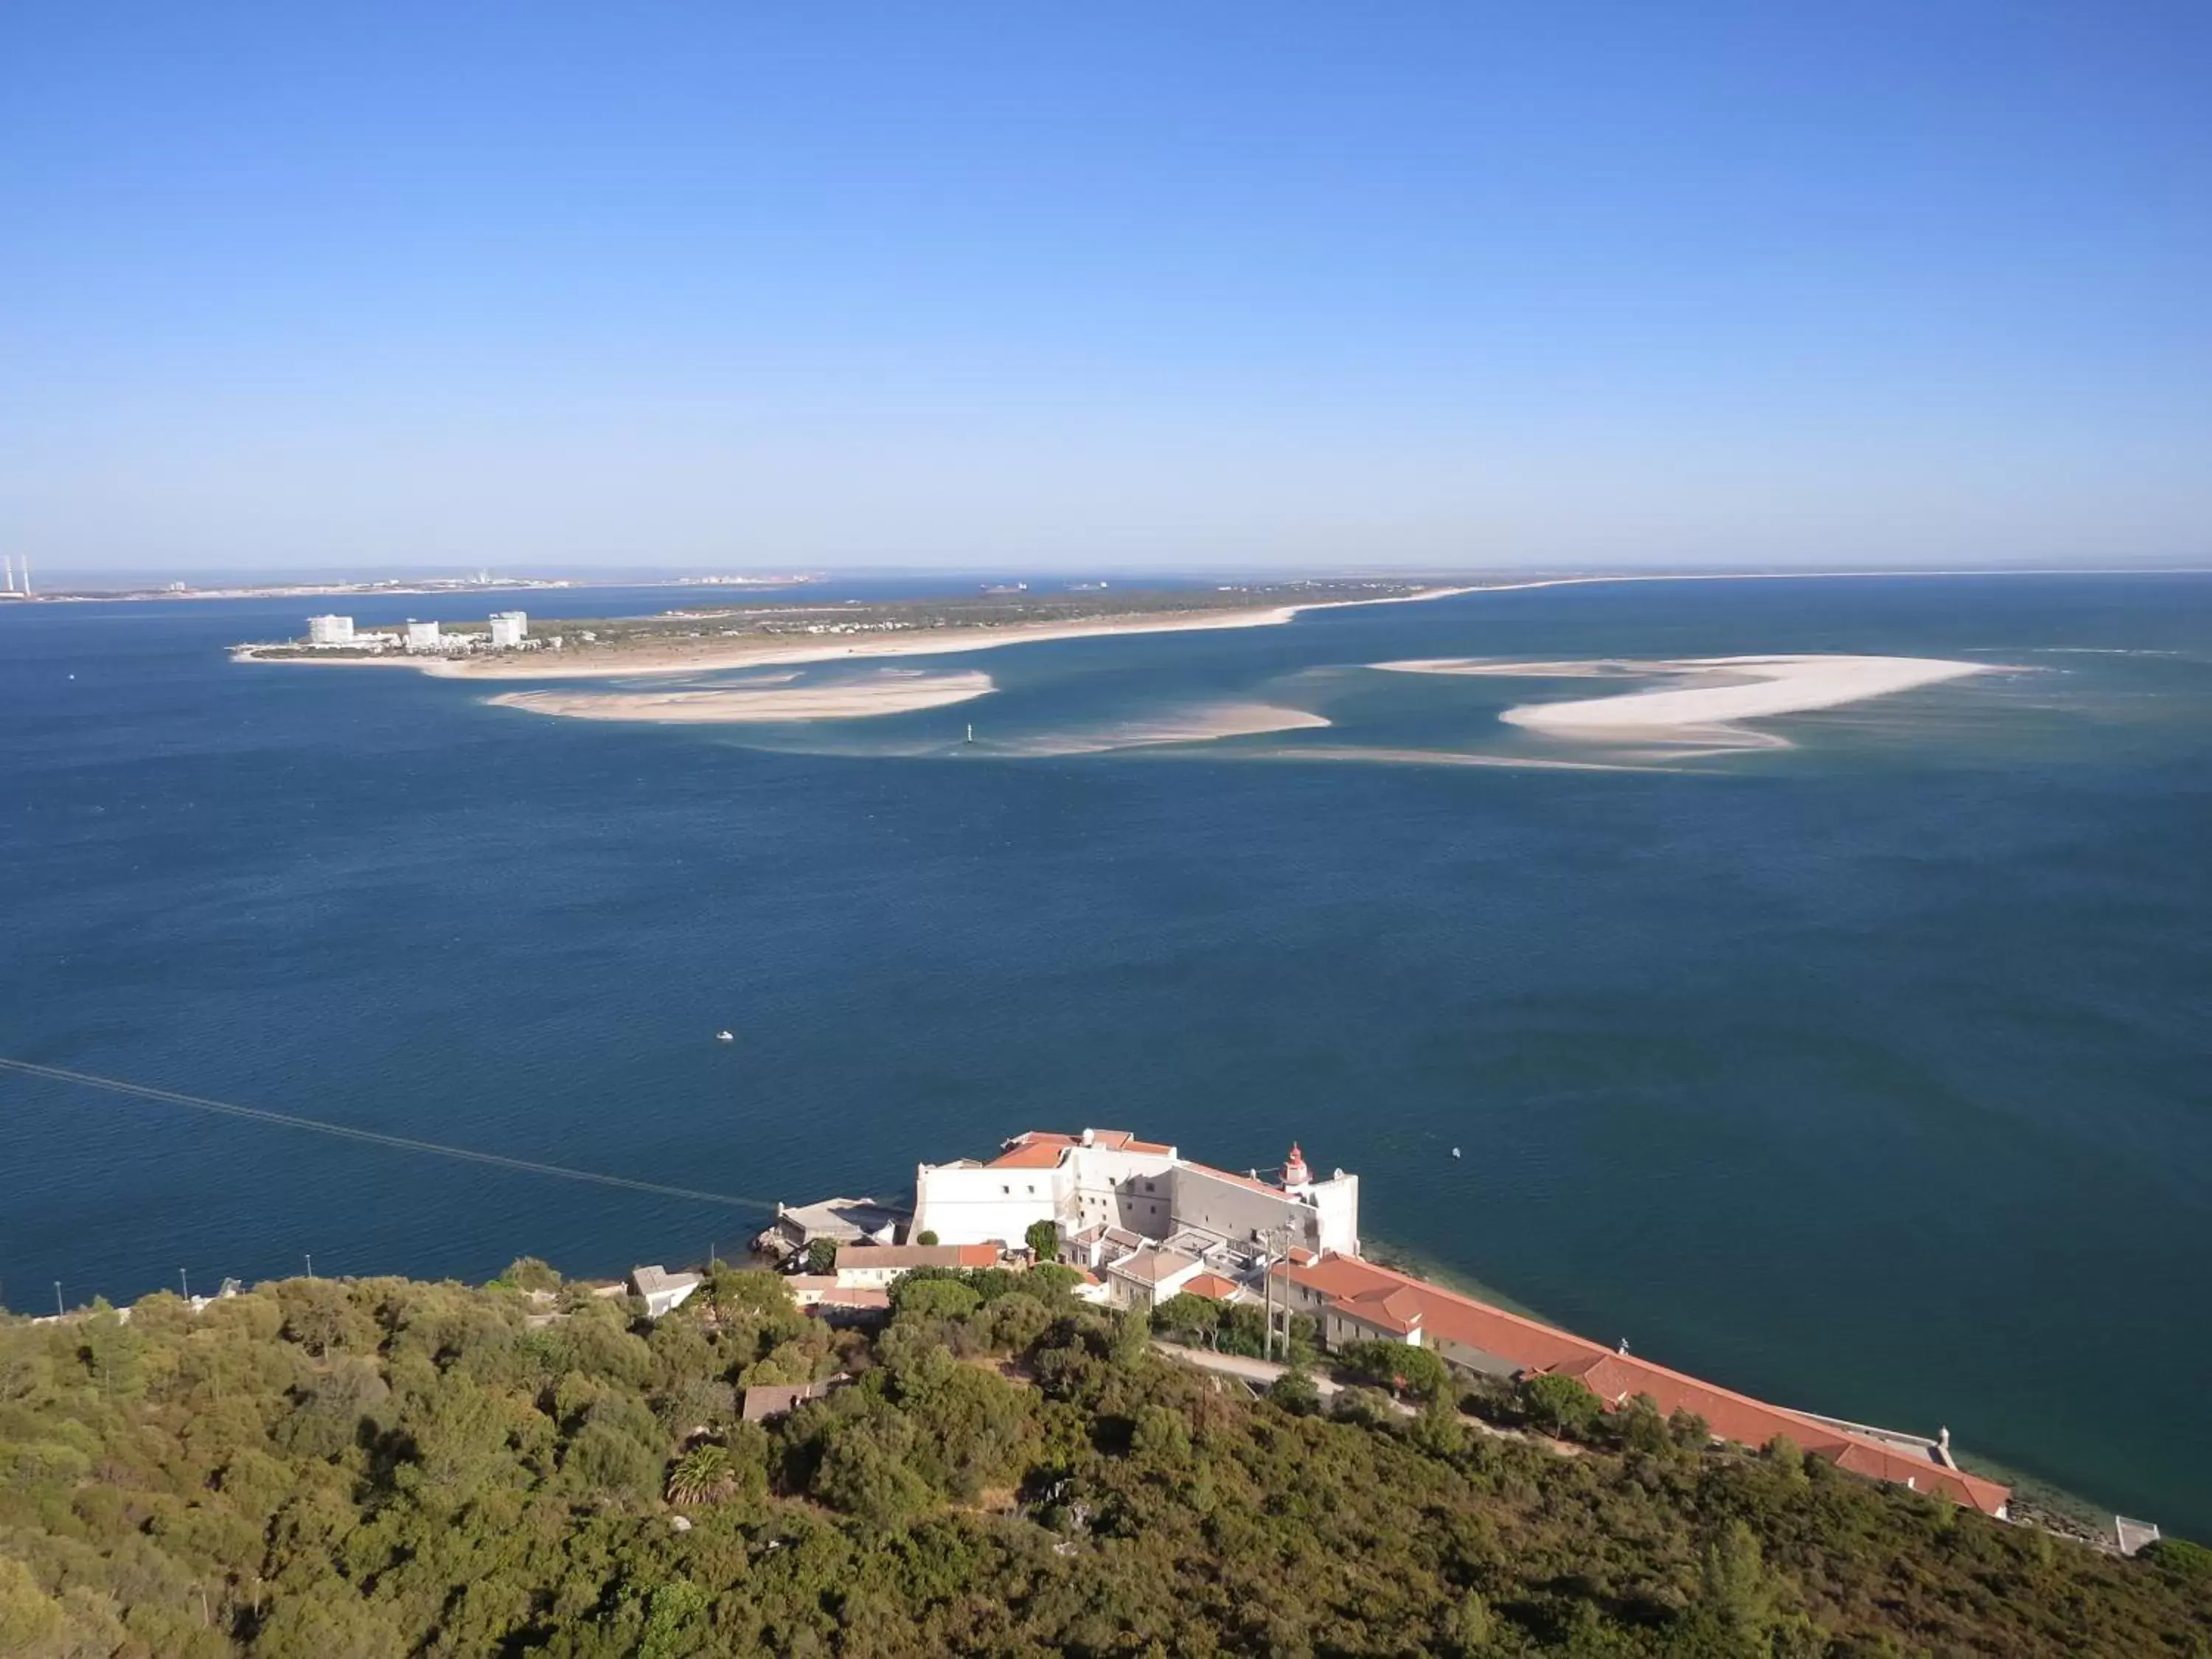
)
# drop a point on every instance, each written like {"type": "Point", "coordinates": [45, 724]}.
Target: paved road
{"type": "Point", "coordinates": [1262, 1372]}
{"type": "Point", "coordinates": [1258, 1372]}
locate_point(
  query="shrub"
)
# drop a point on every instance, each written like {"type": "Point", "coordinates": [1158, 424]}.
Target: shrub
{"type": "Point", "coordinates": [1296, 1392]}
{"type": "Point", "coordinates": [1186, 1317]}
{"type": "Point", "coordinates": [1043, 1240]}
{"type": "Point", "coordinates": [702, 1476]}
{"type": "Point", "coordinates": [1051, 1279]}
{"type": "Point", "coordinates": [1398, 1366]}
{"type": "Point", "coordinates": [914, 1296]}
{"type": "Point", "coordinates": [1560, 1405]}
{"type": "Point", "coordinates": [527, 1272]}
{"type": "Point", "coordinates": [1638, 1427]}
{"type": "Point", "coordinates": [1689, 1430]}
{"type": "Point", "coordinates": [2180, 1556]}
{"type": "Point", "coordinates": [1369, 1407]}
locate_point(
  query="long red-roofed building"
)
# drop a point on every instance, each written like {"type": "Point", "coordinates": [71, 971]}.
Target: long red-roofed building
{"type": "Point", "coordinates": [1353, 1300]}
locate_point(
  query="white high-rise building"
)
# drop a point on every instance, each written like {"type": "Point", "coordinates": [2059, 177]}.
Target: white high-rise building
{"type": "Point", "coordinates": [330, 630]}
{"type": "Point", "coordinates": [424, 637]}
{"type": "Point", "coordinates": [507, 629]}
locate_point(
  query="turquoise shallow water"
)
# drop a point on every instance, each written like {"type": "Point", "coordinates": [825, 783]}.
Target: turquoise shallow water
{"type": "Point", "coordinates": [1868, 1075]}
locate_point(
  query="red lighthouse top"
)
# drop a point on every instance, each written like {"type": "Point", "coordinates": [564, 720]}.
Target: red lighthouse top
{"type": "Point", "coordinates": [1295, 1173]}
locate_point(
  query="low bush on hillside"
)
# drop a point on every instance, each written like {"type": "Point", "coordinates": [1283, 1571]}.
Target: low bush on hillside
{"type": "Point", "coordinates": [375, 1467]}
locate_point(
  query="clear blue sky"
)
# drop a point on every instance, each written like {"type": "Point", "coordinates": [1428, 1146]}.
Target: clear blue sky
{"type": "Point", "coordinates": [1049, 285]}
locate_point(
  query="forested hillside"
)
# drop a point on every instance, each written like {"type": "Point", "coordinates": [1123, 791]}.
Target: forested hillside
{"type": "Point", "coordinates": [360, 1469]}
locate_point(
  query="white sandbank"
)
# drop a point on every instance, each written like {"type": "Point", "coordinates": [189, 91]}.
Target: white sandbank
{"type": "Point", "coordinates": [1202, 724]}
{"type": "Point", "coordinates": [1442, 757]}
{"type": "Point", "coordinates": [843, 700]}
{"type": "Point", "coordinates": [1730, 689]}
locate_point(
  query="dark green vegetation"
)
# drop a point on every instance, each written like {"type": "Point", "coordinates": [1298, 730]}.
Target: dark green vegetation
{"type": "Point", "coordinates": [359, 1469]}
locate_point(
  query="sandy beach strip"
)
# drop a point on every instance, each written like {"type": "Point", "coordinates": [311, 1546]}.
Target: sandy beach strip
{"type": "Point", "coordinates": [1205, 723]}
{"type": "Point", "coordinates": [846, 700]}
{"type": "Point", "coordinates": [1737, 689]}
{"type": "Point", "coordinates": [1593, 668]}
{"type": "Point", "coordinates": [710, 654]}
{"type": "Point", "coordinates": [1390, 756]}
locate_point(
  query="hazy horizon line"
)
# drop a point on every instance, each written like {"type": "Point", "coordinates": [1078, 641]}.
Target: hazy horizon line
{"type": "Point", "coordinates": [50, 577]}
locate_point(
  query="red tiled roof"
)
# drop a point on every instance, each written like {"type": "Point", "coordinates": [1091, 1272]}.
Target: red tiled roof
{"type": "Point", "coordinates": [1040, 1149]}
{"type": "Point", "coordinates": [1032, 1152]}
{"type": "Point", "coordinates": [857, 1297]}
{"type": "Point", "coordinates": [906, 1256]}
{"type": "Point", "coordinates": [1394, 1301]}
{"type": "Point", "coordinates": [1212, 1286]}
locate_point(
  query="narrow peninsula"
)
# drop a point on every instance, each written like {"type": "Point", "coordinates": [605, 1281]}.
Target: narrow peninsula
{"type": "Point", "coordinates": [697, 639]}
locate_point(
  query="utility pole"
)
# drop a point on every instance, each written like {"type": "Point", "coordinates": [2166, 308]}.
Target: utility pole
{"type": "Point", "coordinates": [1266, 1306]}
{"type": "Point", "coordinates": [185, 1279]}
{"type": "Point", "coordinates": [311, 1264]}
{"type": "Point", "coordinates": [58, 1309]}
{"type": "Point", "coordinates": [1278, 1241]}
{"type": "Point", "coordinates": [1268, 1240]}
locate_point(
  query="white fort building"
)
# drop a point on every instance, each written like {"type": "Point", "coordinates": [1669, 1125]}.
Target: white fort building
{"type": "Point", "coordinates": [1106, 1181]}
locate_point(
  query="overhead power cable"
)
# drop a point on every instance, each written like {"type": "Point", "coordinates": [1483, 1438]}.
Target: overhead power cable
{"type": "Point", "coordinates": [374, 1138]}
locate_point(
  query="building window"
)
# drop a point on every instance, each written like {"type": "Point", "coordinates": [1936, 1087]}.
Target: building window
{"type": "Point", "coordinates": [1006, 1190]}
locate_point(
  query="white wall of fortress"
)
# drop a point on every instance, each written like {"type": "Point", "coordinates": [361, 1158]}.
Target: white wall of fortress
{"type": "Point", "coordinates": [1150, 1193]}
{"type": "Point", "coordinates": [1110, 1186]}
{"type": "Point", "coordinates": [1240, 1212]}
{"type": "Point", "coordinates": [1337, 1198]}
{"type": "Point", "coordinates": [982, 1204]}
{"type": "Point", "coordinates": [975, 1204]}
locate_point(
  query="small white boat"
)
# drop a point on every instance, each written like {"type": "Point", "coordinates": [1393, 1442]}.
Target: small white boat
{"type": "Point", "coordinates": [1454, 1151]}
{"type": "Point", "coordinates": [725, 1036]}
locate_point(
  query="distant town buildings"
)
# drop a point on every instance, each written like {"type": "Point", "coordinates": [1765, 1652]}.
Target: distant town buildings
{"type": "Point", "coordinates": [507, 630]}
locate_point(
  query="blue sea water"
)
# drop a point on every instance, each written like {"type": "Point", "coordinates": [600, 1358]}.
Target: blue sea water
{"type": "Point", "coordinates": [1872, 1074]}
